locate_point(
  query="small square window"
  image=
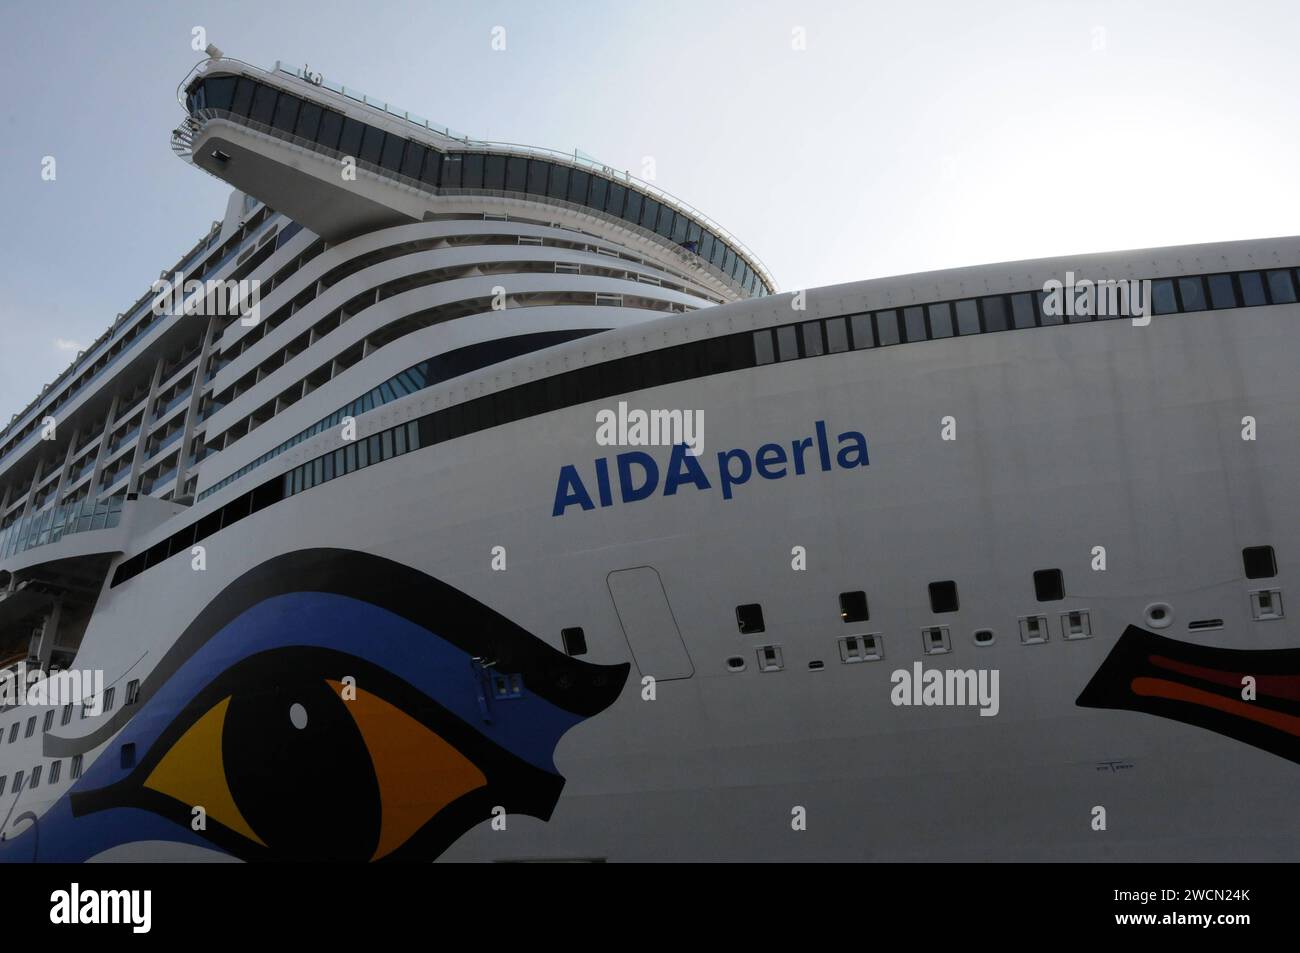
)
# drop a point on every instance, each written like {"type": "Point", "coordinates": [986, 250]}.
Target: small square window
{"type": "Point", "coordinates": [1033, 629]}
{"type": "Point", "coordinates": [749, 618]}
{"type": "Point", "coordinates": [853, 606]}
{"type": "Point", "coordinates": [935, 640]}
{"type": "Point", "coordinates": [128, 755]}
{"type": "Point", "coordinates": [575, 641]}
{"type": "Point", "coordinates": [943, 596]}
{"type": "Point", "coordinates": [769, 659]}
{"type": "Point", "coordinates": [1259, 561]}
{"type": "Point", "coordinates": [1049, 585]}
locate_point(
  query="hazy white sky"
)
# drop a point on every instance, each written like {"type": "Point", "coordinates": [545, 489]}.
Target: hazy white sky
{"type": "Point", "coordinates": [903, 137]}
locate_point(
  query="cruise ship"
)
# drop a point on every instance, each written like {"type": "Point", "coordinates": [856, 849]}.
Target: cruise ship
{"type": "Point", "coordinates": [367, 549]}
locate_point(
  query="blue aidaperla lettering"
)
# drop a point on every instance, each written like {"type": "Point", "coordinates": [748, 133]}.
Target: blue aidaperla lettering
{"type": "Point", "coordinates": [635, 475]}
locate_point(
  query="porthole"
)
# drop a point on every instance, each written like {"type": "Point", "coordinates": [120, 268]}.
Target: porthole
{"type": "Point", "coordinates": [1159, 615]}
{"type": "Point", "coordinates": [984, 637]}
{"type": "Point", "coordinates": [735, 664]}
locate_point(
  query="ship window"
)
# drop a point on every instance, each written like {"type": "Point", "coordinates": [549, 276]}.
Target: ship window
{"type": "Point", "coordinates": [350, 137]}
{"type": "Point", "coordinates": [1252, 289]}
{"type": "Point", "coordinates": [331, 124]}
{"type": "Point", "coordinates": [3, 779]}
{"type": "Point", "coordinates": [133, 691]}
{"type": "Point", "coordinates": [887, 327]}
{"type": "Point", "coordinates": [863, 335]}
{"type": "Point", "coordinates": [286, 113]}
{"type": "Point", "coordinates": [327, 468]}
{"type": "Point", "coordinates": [220, 90]}
{"type": "Point", "coordinates": [943, 596]}
{"type": "Point", "coordinates": [413, 159]}
{"type": "Point", "coordinates": [49, 720]}
{"type": "Point", "coordinates": [18, 781]}
{"type": "Point", "coordinates": [575, 641]}
{"type": "Point", "coordinates": [811, 331]}
{"type": "Point", "coordinates": [837, 335]}
{"type": "Point", "coordinates": [1281, 287]}
{"type": "Point", "coordinates": [1193, 294]}
{"type": "Point", "coordinates": [55, 770]}
{"type": "Point", "coordinates": [108, 698]}
{"type": "Point", "coordinates": [649, 212]}
{"type": "Point", "coordinates": [75, 771]}
{"type": "Point", "coordinates": [914, 323]}
{"type": "Point", "coordinates": [67, 714]}
{"type": "Point", "coordinates": [31, 727]}
{"type": "Point", "coordinates": [968, 317]}
{"type": "Point", "coordinates": [391, 157]}
{"type": "Point", "coordinates": [86, 706]}
{"type": "Point", "coordinates": [749, 618]}
{"type": "Point", "coordinates": [263, 105]}
{"type": "Point", "coordinates": [471, 171]}
{"type": "Point", "coordinates": [614, 203]}
{"type": "Point", "coordinates": [1259, 561]}
{"type": "Point", "coordinates": [787, 344]}
{"type": "Point", "coordinates": [36, 777]}
{"type": "Point", "coordinates": [983, 636]}
{"type": "Point", "coordinates": [1022, 310]}
{"type": "Point", "coordinates": [1162, 297]}
{"type": "Point", "coordinates": [243, 97]}
{"type": "Point", "coordinates": [935, 640]}
{"type": "Point", "coordinates": [128, 755]}
{"type": "Point", "coordinates": [764, 351]}
{"type": "Point", "coordinates": [372, 144]}
{"type": "Point", "coordinates": [579, 182]}
{"type": "Point", "coordinates": [308, 121]}
{"type": "Point", "coordinates": [853, 606]}
{"type": "Point", "coordinates": [940, 320]}
{"type": "Point", "coordinates": [387, 440]}
{"type": "Point", "coordinates": [995, 313]}
{"type": "Point", "coordinates": [537, 172]}
{"type": "Point", "coordinates": [1049, 319]}
{"type": "Point", "coordinates": [1222, 294]}
{"type": "Point", "coordinates": [1049, 585]}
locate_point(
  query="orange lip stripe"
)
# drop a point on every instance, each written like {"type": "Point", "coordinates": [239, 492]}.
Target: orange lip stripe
{"type": "Point", "coordinates": [1161, 688]}
{"type": "Point", "coordinates": [1276, 686]}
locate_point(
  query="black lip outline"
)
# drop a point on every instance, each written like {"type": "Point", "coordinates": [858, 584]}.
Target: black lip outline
{"type": "Point", "coordinates": [1129, 659]}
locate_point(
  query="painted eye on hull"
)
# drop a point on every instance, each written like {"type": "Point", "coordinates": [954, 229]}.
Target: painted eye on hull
{"type": "Point", "coordinates": [290, 762]}
{"type": "Point", "coordinates": [284, 768]}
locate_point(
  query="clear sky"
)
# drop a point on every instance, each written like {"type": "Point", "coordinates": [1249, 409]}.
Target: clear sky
{"type": "Point", "coordinates": [901, 137]}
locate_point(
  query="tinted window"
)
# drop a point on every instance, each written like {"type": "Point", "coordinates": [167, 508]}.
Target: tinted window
{"type": "Point", "coordinates": [471, 171]}
{"type": "Point", "coordinates": [968, 317]}
{"type": "Point", "coordinates": [787, 345]}
{"type": "Point", "coordinates": [286, 113]}
{"type": "Point", "coordinates": [450, 173]}
{"type": "Point", "coordinates": [837, 335]}
{"type": "Point", "coordinates": [1162, 297]}
{"type": "Point", "coordinates": [863, 335]}
{"type": "Point", "coordinates": [350, 139]}
{"type": "Point", "coordinates": [331, 124]}
{"type": "Point", "coordinates": [632, 210]}
{"type": "Point", "coordinates": [649, 214]}
{"type": "Point", "coordinates": [1047, 317]}
{"type": "Point", "coordinates": [412, 160]}
{"type": "Point", "coordinates": [263, 104]}
{"type": "Point", "coordinates": [516, 174]}
{"type": "Point", "coordinates": [995, 313]}
{"type": "Point", "coordinates": [887, 327]}
{"type": "Point", "coordinates": [764, 352]}
{"type": "Point", "coordinates": [914, 323]}
{"type": "Point", "coordinates": [1193, 294]}
{"type": "Point", "coordinates": [599, 191]}
{"type": "Point", "coordinates": [812, 338]}
{"type": "Point", "coordinates": [1252, 289]}
{"type": "Point", "coordinates": [578, 180]}
{"type": "Point", "coordinates": [391, 158]}
{"type": "Point", "coordinates": [943, 596]}
{"type": "Point", "coordinates": [372, 145]}
{"type": "Point", "coordinates": [558, 187]}
{"type": "Point", "coordinates": [1281, 287]}
{"type": "Point", "coordinates": [220, 92]}
{"type": "Point", "coordinates": [243, 98]}
{"type": "Point", "coordinates": [538, 172]}
{"type": "Point", "coordinates": [614, 202]}
{"type": "Point", "coordinates": [308, 121]}
{"type": "Point", "coordinates": [432, 167]}
{"type": "Point", "coordinates": [1022, 310]}
{"type": "Point", "coordinates": [1222, 294]}
{"type": "Point", "coordinates": [940, 320]}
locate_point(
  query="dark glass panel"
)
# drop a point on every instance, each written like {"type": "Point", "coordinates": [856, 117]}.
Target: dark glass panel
{"type": "Point", "coordinates": [811, 332]}
{"type": "Point", "coordinates": [451, 165]}
{"type": "Point", "coordinates": [558, 186]}
{"type": "Point", "coordinates": [350, 138]}
{"type": "Point", "coordinates": [432, 168]}
{"type": "Point", "coordinates": [331, 124]}
{"type": "Point", "coordinates": [579, 182]}
{"type": "Point", "coordinates": [1162, 297]}
{"type": "Point", "coordinates": [632, 210]}
{"type": "Point", "coordinates": [372, 145]}
{"type": "Point", "coordinates": [243, 98]}
{"type": "Point", "coordinates": [1022, 310]}
{"type": "Point", "coordinates": [863, 335]}
{"type": "Point", "coordinates": [413, 159]}
{"type": "Point", "coordinates": [1281, 286]}
{"type": "Point", "coordinates": [968, 317]}
{"type": "Point", "coordinates": [263, 109]}
{"type": "Point", "coordinates": [787, 343]}
{"type": "Point", "coordinates": [837, 335]}
{"type": "Point", "coordinates": [1222, 292]}
{"type": "Point", "coordinates": [391, 157]}
{"type": "Point", "coordinates": [308, 121]}
{"type": "Point", "coordinates": [538, 172]}
{"type": "Point", "coordinates": [286, 113]}
{"type": "Point", "coordinates": [471, 171]}
{"type": "Point", "coordinates": [617, 197]}
{"type": "Point", "coordinates": [940, 320]}
{"type": "Point", "coordinates": [649, 214]}
{"type": "Point", "coordinates": [599, 192]}
{"type": "Point", "coordinates": [219, 91]}
{"type": "Point", "coordinates": [914, 323]}
{"type": "Point", "coordinates": [887, 327]}
{"type": "Point", "coordinates": [1252, 289]}
{"type": "Point", "coordinates": [516, 174]}
{"type": "Point", "coordinates": [1193, 294]}
{"type": "Point", "coordinates": [995, 313]}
